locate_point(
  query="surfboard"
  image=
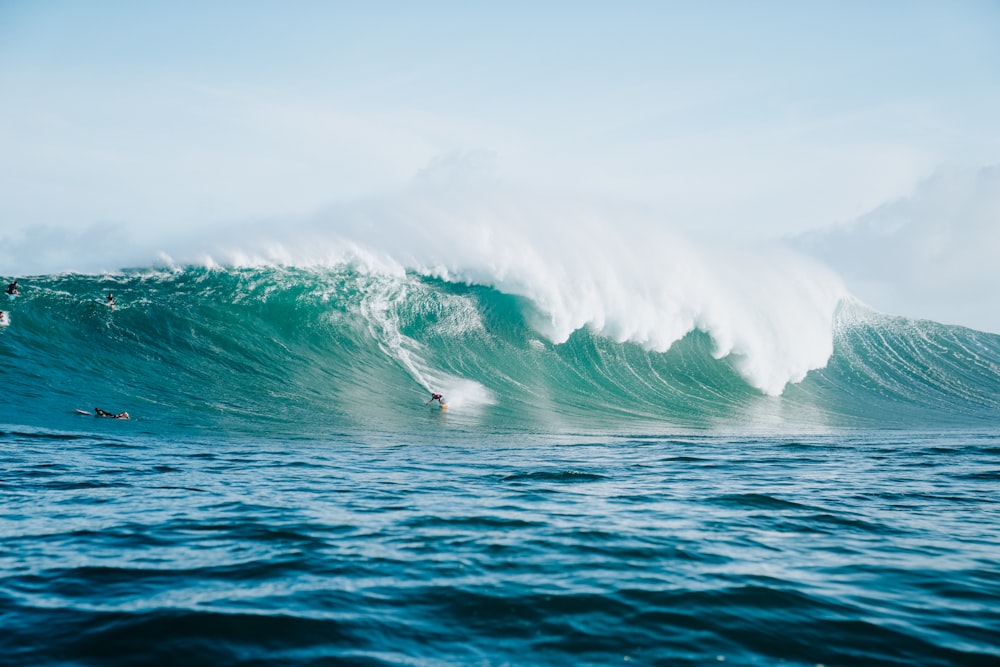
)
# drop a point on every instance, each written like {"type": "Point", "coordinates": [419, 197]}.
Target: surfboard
{"type": "Point", "coordinates": [82, 412]}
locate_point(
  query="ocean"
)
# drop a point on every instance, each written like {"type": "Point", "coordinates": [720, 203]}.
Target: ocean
{"type": "Point", "coordinates": [625, 474]}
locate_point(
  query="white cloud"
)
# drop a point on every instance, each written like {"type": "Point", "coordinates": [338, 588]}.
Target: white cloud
{"type": "Point", "coordinates": [934, 254]}
{"type": "Point", "coordinates": [103, 246]}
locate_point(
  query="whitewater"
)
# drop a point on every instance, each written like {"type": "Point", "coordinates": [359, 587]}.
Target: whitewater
{"type": "Point", "coordinates": [658, 449]}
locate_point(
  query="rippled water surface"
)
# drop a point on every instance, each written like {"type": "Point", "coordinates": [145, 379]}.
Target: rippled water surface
{"type": "Point", "coordinates": [857, 549]}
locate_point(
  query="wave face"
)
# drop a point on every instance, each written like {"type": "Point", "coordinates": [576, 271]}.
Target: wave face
{"type": "Point", "coordinates": [288, 350]}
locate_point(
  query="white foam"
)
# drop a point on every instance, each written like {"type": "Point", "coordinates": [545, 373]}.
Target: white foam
{"type": "Point", "coordinates": [620, 274]}
{"type": "Point", "coordinates": [623, 274]}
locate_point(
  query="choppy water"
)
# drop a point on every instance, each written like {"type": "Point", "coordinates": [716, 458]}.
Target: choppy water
{"type": "Point", "coordinates": [861, 549]}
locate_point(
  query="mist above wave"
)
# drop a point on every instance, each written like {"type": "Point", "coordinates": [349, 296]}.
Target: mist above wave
{"type": "Point", "coordinates": [621, 273]}
{"type": "Point", "coordinates": [930, 255]}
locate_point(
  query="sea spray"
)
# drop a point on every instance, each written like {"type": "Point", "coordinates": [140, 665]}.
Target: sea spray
{"type": "Point", "coordinates": [617, 273]}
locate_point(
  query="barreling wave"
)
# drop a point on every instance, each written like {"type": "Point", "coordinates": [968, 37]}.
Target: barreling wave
{"type": "Point", "coordinates": [348, 346]}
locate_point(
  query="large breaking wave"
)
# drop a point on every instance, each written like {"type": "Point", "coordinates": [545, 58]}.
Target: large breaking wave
{"type": "Point", "coordinates": [358, 343]}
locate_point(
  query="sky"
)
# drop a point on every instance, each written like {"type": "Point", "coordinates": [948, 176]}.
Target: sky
{"type": "Point", "coordinates": [802, 121]}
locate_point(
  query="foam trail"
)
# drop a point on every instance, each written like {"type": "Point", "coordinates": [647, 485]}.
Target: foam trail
{"type": "Point", "coordinates": [380, 306]}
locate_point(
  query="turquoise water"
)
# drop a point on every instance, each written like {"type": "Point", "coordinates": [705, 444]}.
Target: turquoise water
{"type": "Point", "coordinates": [291, 351]}
{"type": "Point", "coordinates": [283, 495]}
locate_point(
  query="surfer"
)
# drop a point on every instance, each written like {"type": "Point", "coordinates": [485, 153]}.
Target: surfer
{"type": "Point", "coordinates": [12, 289]}
{"type": "Point", "coordinates": [102, 413]}
{"type": "Point", "coordinates": [3, 317]}
{"type": "Point", "coordinates": [436, 397]}
{"type": "Point", "coordinates": [111, 299]}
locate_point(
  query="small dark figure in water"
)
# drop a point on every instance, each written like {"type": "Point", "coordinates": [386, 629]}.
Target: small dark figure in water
{"type": "Point", "coordinates": [111, 299]}
{"type": "Point", "coordinates": [102, 413]}
{"type": "Point", "coordinates": [12, 288]}
{"type": "Point", "coordinates": [436, 397]}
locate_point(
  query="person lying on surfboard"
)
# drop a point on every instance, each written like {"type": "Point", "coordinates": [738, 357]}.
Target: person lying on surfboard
{"type": "Point", "coordinates": [101, 413]}
{"type": "Point", "coordinates": [436, 397]}
{"type": "Point", "coordinates": [12, 288]}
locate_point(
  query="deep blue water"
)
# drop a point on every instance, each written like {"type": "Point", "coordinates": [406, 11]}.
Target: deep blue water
{"type": "Point", "coordinates": [472, 549]}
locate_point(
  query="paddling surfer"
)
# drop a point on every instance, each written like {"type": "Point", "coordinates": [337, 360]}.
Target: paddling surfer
{"type": "Point", "coordinates": [102, 413]}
